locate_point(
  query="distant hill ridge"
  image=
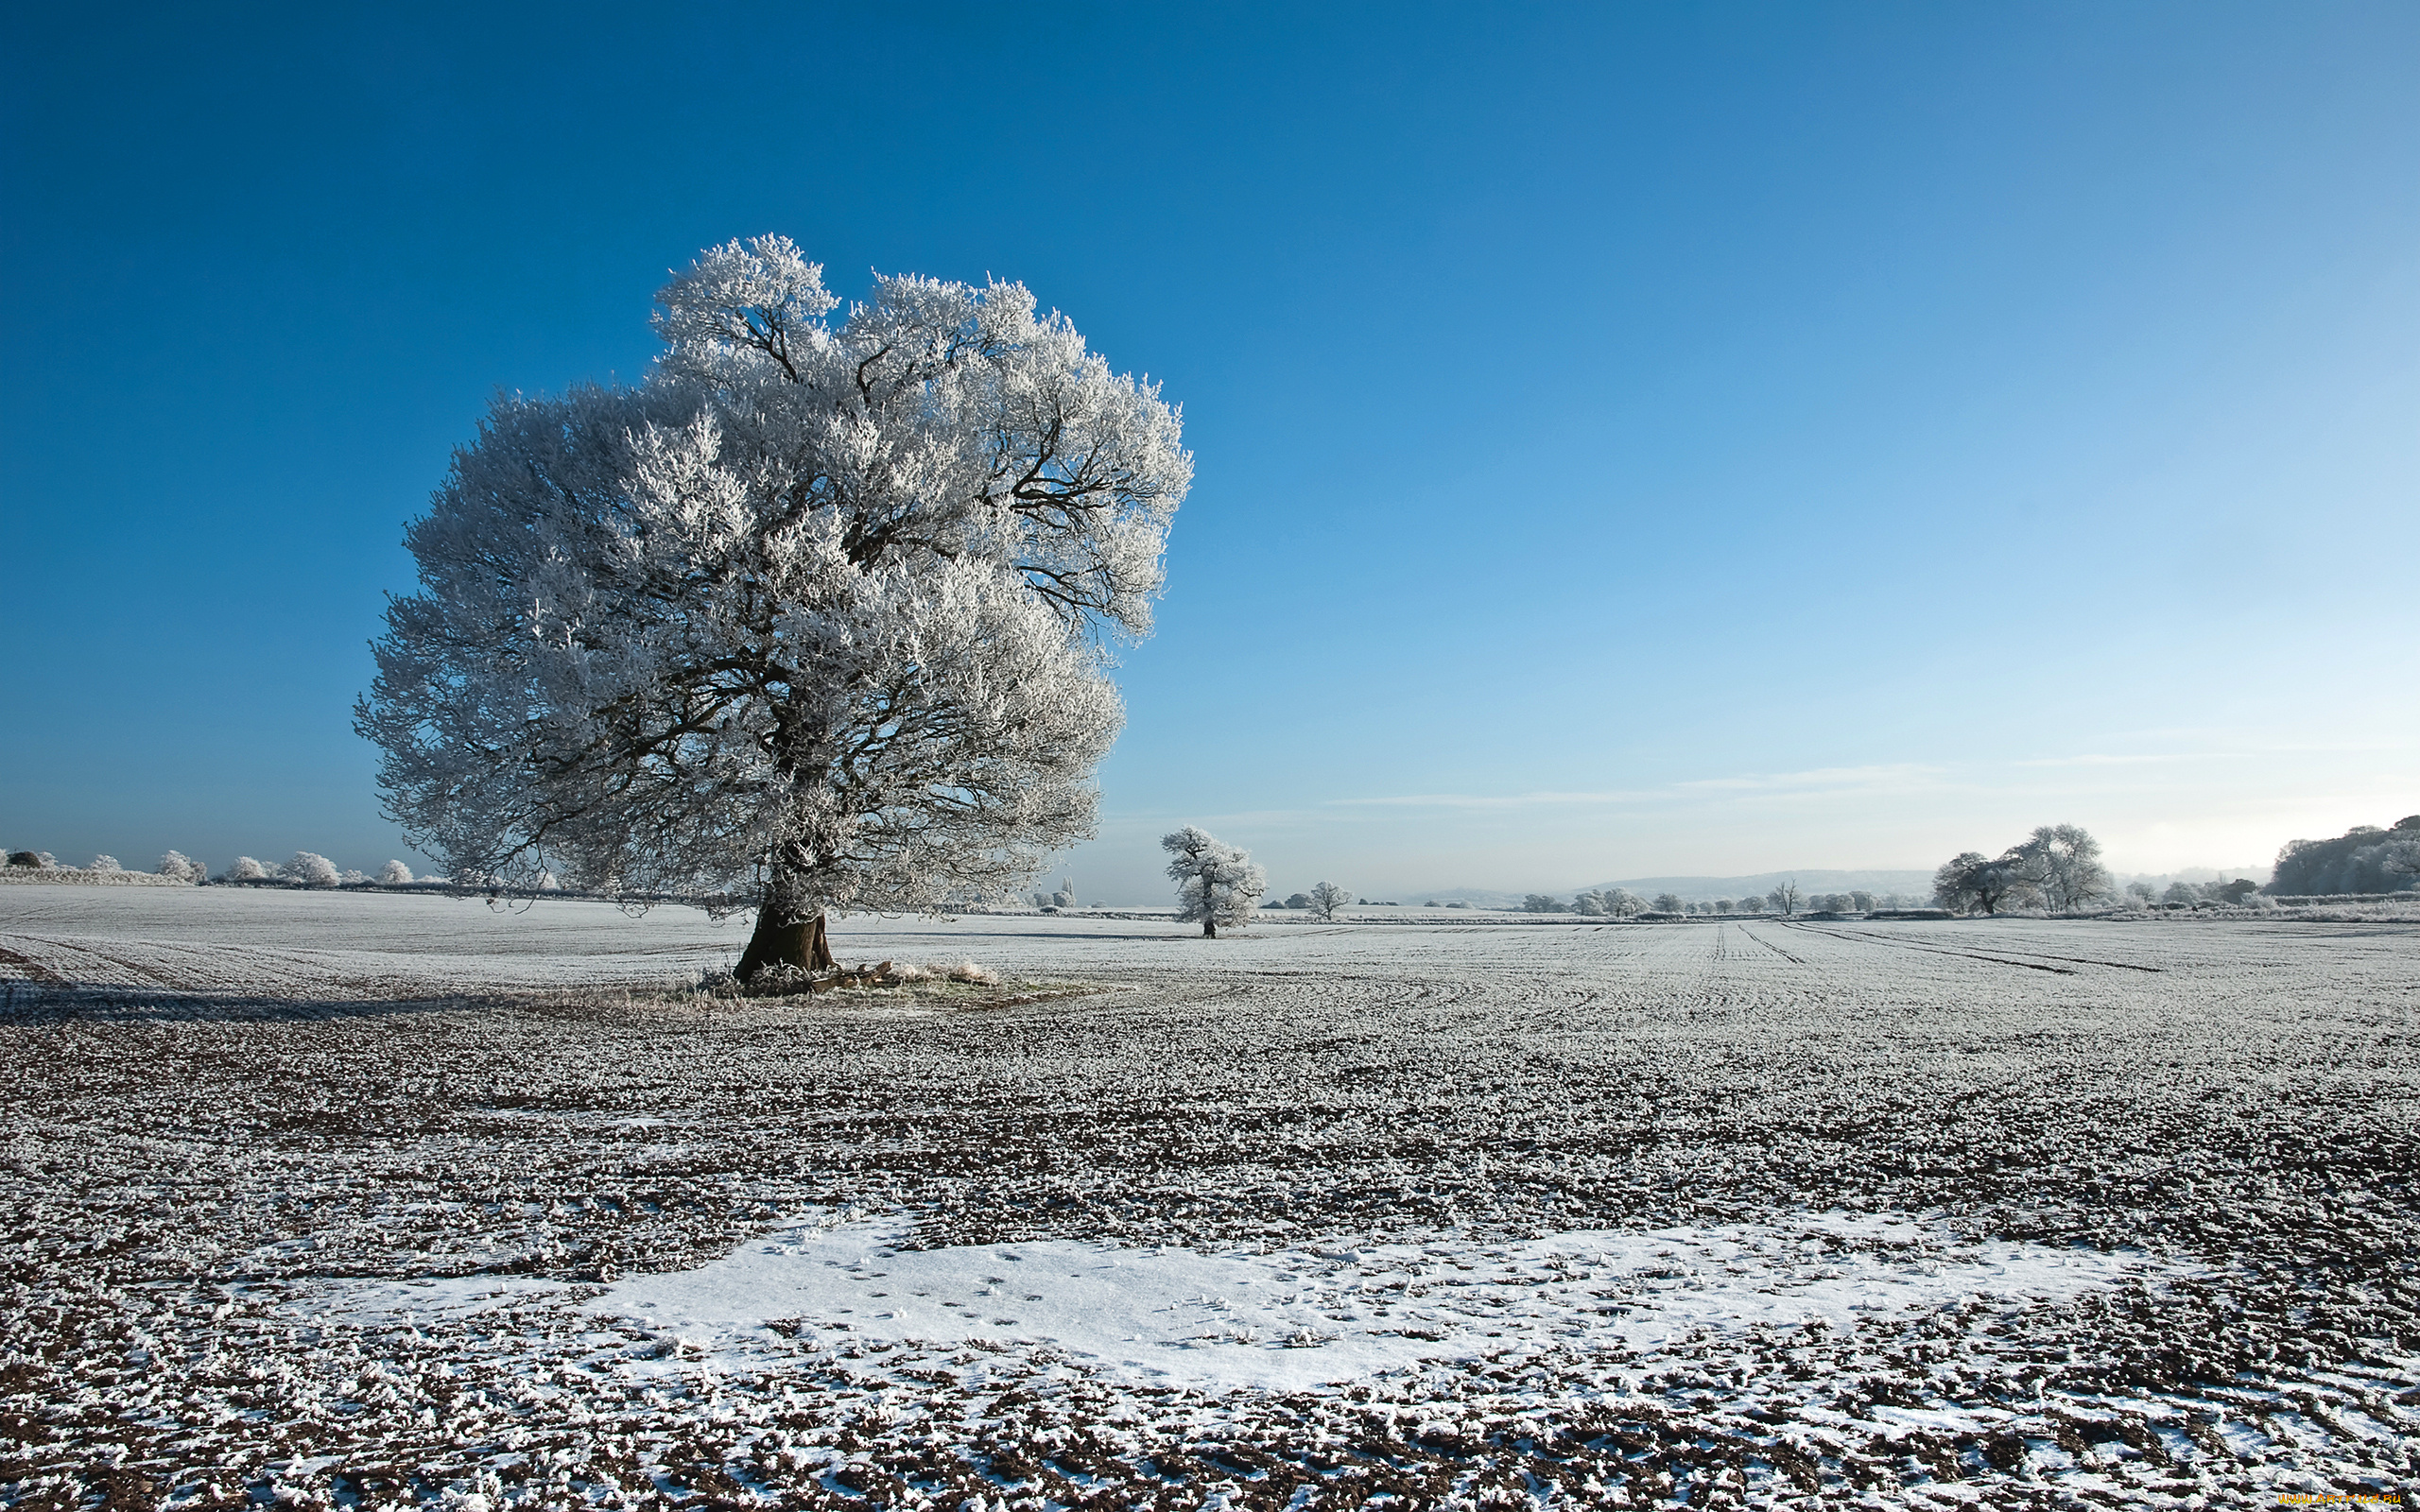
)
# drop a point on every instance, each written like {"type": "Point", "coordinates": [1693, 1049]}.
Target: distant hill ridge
{"type": "Point", "coordinates": [1764, 882]}
{"type": "Point", "coordinates": [1700, 890]}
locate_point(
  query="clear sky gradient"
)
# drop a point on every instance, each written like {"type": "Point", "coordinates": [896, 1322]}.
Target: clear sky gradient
{"type": "Point", "coordinates": [1631, 439]}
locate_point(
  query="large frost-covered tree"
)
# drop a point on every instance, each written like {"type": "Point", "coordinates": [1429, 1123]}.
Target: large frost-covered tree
{"type": "Point", "coordinates": [1216, 882]}
{"type": "Point", "coordinates": [2057, 867]}
{"type": "Point", "coordinates": [2063, 862]}
{"type": "Point", "coordinates": [814, 617]}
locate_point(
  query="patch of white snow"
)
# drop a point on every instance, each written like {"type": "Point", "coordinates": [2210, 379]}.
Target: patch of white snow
{"type": "Point", "coordinates": [1300, 1317]}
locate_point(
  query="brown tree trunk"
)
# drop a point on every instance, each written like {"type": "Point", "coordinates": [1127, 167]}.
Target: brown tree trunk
{"type": "Point", "coordinates": [1209, 927]}
{"type": "Point", "coordinates": [800, 943]}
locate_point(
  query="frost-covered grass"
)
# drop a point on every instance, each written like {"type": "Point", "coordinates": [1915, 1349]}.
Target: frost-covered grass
{"type": "Point", "coordinates": [2009, 1213]}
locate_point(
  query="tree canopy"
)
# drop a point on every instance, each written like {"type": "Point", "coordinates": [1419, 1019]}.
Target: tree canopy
{"type": "Point", "coordinates": [815, 616]}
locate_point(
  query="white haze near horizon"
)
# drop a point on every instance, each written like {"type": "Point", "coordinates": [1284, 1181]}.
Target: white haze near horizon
{"type": "Point", "coordinates": [1411, 845]}
{"type": "Point", "coordinates": [1907, 818]}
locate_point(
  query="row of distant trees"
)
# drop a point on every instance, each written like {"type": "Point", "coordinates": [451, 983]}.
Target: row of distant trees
{"type": "Point", "coordinates": [2190, 894]}
{"type": "Point", "coordinates": [307, 868]}
{"type": "Point", "coordinates": [1220, 884]}
{"type": "Point", "coordinates": [2057, 867]}
{"type": "Point", "coordinates": [2363, 859]}
{"type": "Point", "coordinates": [1324, 899]}
{"type": "Point", "coordinates": [1620, 902]}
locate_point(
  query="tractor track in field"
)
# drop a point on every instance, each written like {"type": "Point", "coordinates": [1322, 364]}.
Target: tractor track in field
{"type": "Point", "coordinates": [1786, 956]}
{"type": "Point", "coordinates": [2045, 955]}
{"type": "Point", "coordinates": [1926, 950]}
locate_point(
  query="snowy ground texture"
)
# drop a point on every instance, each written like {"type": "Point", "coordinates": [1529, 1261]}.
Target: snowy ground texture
{"type": "Point", "coordinates": [345, 1200]}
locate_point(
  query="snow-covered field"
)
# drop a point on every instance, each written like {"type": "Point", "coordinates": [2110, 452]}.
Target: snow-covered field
{"type": "Point", "coordinates": [353, 1199]}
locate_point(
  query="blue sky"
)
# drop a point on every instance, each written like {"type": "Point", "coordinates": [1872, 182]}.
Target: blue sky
{"type": "Point", "coordinates": [1629, 440]}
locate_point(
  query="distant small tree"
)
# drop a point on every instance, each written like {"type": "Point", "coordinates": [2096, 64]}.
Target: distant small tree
{"type": "Point", "coordinates": [1592, 904]}
{"type": "Point", "coordinates": [1667, 903]}
{"type": "Point", "coordinates": [1722, 905]}
{"type": "Point", "coordinates": [181, 866]}
{"type": "Point", "coordinates": [1538, 902]}
{"type": "Point", "coordinates": [311, 871]}
{"type": "Point", "coordinates": [103, 862]}
{"type": "Point", "coordinates": [2142, 892]}
{"type": "Point", "coordinates": [395, 874]}
{"type": "Point", "coordinates": [1328, 898]}
{"type": "Point", "coordinates": [1785, 897]}
{"type": "Point", "coordinates": [244, 868]}
{"type": "Point", "coordinates": [2182, 893]}
{"type": "Point", "coordinates": [1861, 902]}
{"type": "Point", "coordinates": [30, 859]}
{"type": "Point", "coordinates": [1216, 882]}
{"type": "Point", "coordinates": [1296, 900]}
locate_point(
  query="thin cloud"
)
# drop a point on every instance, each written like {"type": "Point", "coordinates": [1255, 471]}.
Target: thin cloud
{"type": "Point", "coordinates": [2097, 760]}
{"type": "Point", "coordinates": [1897, 776]}
{"type": "Point", "coordinates": [1494, 801]}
